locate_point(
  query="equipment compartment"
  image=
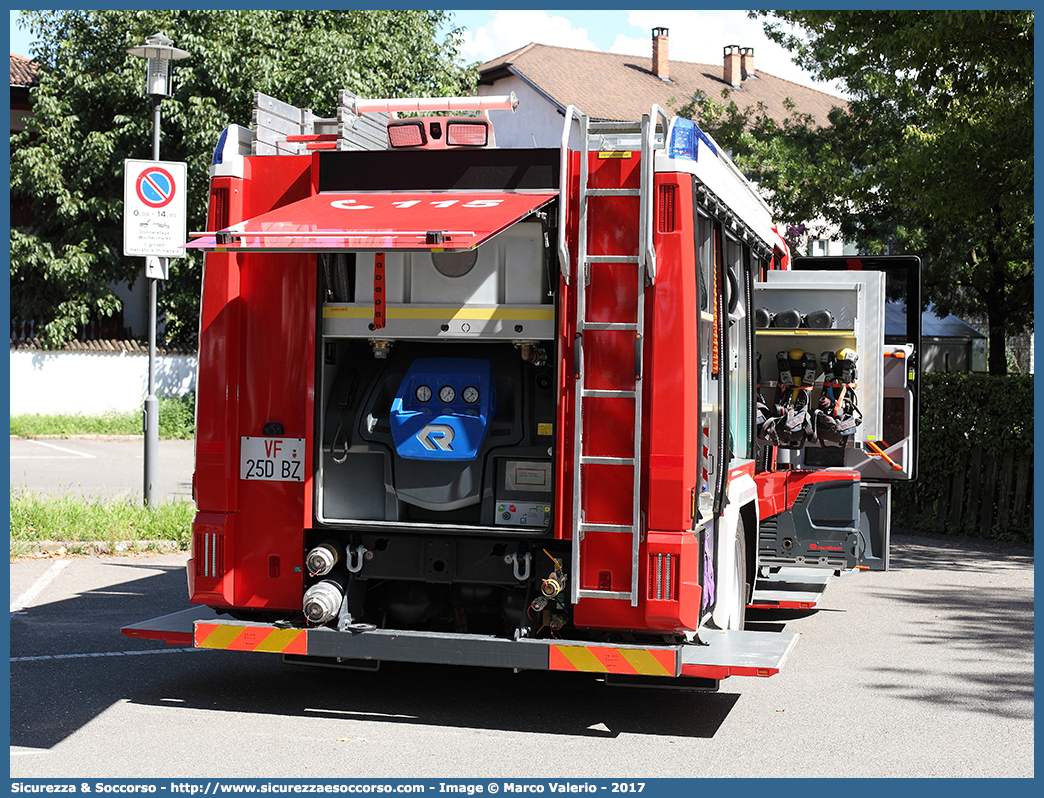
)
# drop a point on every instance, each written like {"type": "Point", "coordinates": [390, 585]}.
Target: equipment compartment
{"type": "Point", "coordinates": [813, 320]}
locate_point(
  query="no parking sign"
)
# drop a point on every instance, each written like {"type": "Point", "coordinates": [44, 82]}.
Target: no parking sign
{"type": "Point", "coordinates": [154, 209]}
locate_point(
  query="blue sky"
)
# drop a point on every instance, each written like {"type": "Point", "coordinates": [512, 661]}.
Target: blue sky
{"type": "Point", "coordinates": [697, 36]}
{"type": "Point", "coordinates": [19, 39]}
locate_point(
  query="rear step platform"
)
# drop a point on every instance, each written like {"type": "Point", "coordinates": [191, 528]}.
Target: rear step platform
{"type": "Point", "coordinates": [717, 654]}
{"type": "Point", "coordinates": [790, 588]}
{"type": "Point", "coordinates": [174, 629]}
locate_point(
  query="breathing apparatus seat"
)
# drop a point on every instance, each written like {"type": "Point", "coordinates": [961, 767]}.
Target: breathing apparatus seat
{"type": "Point", "coordinates": [790, 423]}
{"type": "Point", "coordinates": [838, 414]}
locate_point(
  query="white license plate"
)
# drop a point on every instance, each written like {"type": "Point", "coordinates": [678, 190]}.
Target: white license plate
{"type": "Point", "coordinates": [272, 459]}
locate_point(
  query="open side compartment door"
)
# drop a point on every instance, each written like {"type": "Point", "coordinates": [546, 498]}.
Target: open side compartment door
{"type": "Point", "coordinates": [856, 292]}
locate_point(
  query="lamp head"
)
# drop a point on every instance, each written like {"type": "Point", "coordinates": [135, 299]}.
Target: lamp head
{"type": "Point", "coordinates": [159, 54]}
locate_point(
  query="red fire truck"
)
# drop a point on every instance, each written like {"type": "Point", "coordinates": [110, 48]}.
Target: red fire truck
{"type": "Point", "coordinates": [543, 408]}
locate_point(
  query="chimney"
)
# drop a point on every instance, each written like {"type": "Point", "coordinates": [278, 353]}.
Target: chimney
{"type": "Point", "coordinates": [747, 62]}
{"type": "Point", "coordinates": [660, 67]}
{"type": "Point", "coordinates": [732, 65]}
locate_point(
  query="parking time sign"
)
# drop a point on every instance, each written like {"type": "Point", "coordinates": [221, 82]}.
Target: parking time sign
{"type": "Point", "coordinates": [154, 209]}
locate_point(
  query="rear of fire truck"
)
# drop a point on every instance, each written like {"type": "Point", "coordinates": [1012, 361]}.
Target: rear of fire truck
{"type": "Point", "coordinates": [458, 404]}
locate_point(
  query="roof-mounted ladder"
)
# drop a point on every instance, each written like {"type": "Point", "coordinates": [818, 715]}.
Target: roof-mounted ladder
{"type": "Point", "coordinates": [283, 129]}
{"type": "Point", "coordinates": [644, 270]}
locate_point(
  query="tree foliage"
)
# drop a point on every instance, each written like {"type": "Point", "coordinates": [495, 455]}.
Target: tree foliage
{"type": "Point", "coordinates": [91, 115]}
{"type": "Point", "coordinates": [932, 155]}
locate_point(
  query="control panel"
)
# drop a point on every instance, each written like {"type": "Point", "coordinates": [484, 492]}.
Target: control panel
{"type": "Point", "coordinates": [520, 513]}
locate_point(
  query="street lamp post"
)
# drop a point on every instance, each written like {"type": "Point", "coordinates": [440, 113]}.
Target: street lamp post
{"type": "Point", "coordinates": [159, 54]}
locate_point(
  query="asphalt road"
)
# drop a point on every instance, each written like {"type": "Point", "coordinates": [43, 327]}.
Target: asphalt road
{"type": "Point", "coordinates": [100, 467]}
{"type": "Point", "coordinates": [924, 670]}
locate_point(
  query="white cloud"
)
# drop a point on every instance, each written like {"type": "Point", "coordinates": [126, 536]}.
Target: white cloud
{"type": "Point", "coordinates": [509, 30]}
{"type": "Point", "coordinates": [694, 35]}
{"type": "Point", "coordinates": [701, 36]}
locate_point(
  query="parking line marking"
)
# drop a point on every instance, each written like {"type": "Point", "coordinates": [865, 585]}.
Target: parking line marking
{"type": "Point", "coordinates": [38, 586]}
{"type": "Point", "coordinates": [45, 657]}
{"type": "Point", "coordinates": [72, 452]}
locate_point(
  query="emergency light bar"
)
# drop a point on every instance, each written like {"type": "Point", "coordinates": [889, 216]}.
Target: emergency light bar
{"type": "Point", "coordinates": [479, 103]}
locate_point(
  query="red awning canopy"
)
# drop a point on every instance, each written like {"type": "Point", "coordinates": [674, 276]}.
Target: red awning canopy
{"type": "Point", "coordinates": [421, 220]}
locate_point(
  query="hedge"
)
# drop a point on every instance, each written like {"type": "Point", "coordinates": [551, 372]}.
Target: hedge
{"type": "Point", "coordinates": [975, 473]}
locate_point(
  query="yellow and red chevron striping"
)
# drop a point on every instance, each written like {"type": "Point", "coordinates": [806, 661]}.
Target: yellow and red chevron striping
{"type": "Point", "coordinates": [251, 638]}
{"type": "Point", "coordinates": [601, 659]}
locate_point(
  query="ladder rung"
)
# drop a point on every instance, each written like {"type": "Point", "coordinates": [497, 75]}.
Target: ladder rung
{"type": "Point", "coordinates": [606, 528]}
{"type": "Point", "coordinates": [615, 127]}
{"type": "Point", "coordinates": [598, 394]}
{"type": "Point", "coordinates": [613, 461]}
{"type": "Point", "coordinates": [613, 192]}
{"type": "Point", "coordinates": [612, 138]}
{"type": "Point", "coordinates": [614, 594]}
{"type": "Point", "coordinates": [611, 259]}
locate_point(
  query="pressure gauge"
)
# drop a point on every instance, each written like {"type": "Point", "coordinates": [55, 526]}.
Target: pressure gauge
{"type": "Point", "coordinates": [447, 394]}
{"type": "Point", "coordinates": [470, 395]}
{"type": "Point", "coordinates": [423, 393]}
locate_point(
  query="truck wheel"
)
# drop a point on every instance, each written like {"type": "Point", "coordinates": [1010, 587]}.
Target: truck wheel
{"type": "Point", "coordinates": [733, 608]}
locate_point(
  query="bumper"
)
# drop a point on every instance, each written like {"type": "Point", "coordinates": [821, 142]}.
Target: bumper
{"type": "Point", "coordinates": [722, 654]}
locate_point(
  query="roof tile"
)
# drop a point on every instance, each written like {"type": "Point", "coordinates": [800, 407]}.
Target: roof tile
{"type": "Point", "coordinates": [618, 87]}
{"type": "Point", "coordinates": [23, 71]}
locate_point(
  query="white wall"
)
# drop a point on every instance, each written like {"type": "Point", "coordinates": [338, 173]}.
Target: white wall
{"type": "Point", "coordinates": [536, 123]}
{"type": "Point", "coordinates": [80, 382]}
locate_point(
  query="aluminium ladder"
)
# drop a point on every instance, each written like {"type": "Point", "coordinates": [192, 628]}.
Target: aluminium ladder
{"type": "Point", "coordinates": [644, 267]}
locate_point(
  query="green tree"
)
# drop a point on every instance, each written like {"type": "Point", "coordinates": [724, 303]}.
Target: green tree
{"type": "Point", "coordinates": [797, 164]}
{"type": "Point", "coordinates": [932, 155]}
{"type": "Point", "coordinates": [91, 115]}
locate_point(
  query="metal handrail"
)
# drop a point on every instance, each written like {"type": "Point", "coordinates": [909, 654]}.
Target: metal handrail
{"type": "Point", "coordinates": [481, 102]}
{"type": "Point", "coordinates": [563, 186]}
{"type": "Point", "coordinates": [646, 246]}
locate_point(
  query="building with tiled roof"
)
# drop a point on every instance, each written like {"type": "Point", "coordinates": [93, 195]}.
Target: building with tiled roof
{"type": "Point", "coordinates": [23, 71]}
{"type": "Point", "coordinates": [24, 75]}
{"type": "Point", "coordinates": [610, 86]}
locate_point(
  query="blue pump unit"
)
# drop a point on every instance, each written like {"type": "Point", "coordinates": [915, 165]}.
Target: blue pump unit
{"type": "Point", "coordinates": [443, 409]}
